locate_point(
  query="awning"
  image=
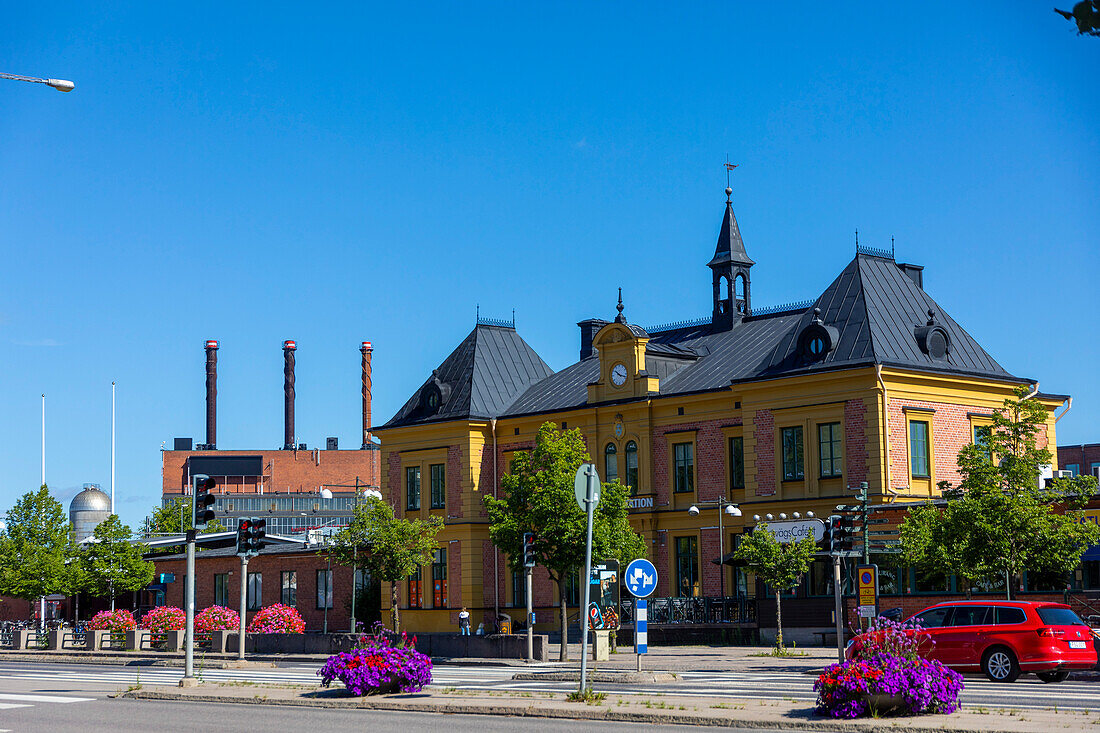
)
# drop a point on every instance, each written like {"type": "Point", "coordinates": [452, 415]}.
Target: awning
{"type": "Point", "coordinates": [729, 559]}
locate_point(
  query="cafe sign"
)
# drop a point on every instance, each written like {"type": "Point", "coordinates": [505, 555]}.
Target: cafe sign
{"type": "Point", "coordinates": [797, 530]}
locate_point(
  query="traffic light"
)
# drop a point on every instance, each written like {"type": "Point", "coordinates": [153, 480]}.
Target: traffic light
{"type": "Point", "coordinates": [528, 549]}
{"type": "Point", "coordinates": [201, 513]}
{"type": "Point", "coordinates": [244, 528]}
{"type": "Point", "coordinates": [843, 534]}
{"type": "Point", "coordinates": [257, 531]}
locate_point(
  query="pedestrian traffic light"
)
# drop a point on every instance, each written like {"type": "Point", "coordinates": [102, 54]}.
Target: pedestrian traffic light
{"type": "Point", "coordinates": [528, 549]}
{"type": "Point", "coordinates": [244, 529]}
{"type": "Point", "coordinates": [257, 531]}
{"type": "Point", "coordinates": [201, 513]}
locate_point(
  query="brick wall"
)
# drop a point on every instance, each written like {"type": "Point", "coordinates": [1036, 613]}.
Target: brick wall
{"type": "Point", "coordinates": [285, 471]}
{"type": "Point", "coordinates": [454, 482]}
{"type": "Point", "coordinates": [270, 567]}
{"type": "Point", "coordinates": [855, 441]}
{"type": "Point", "coordinates": [711, 573]}
{"type": "Point", "coordinates": [950, 432]}
{"type": "Point", "coordinates": [660, 558]}
{"type": "Point", "coordinates": [1082, 455]}
{"type": "Point", "coordinates": [396, 481]}
{"type": "Point", "coordinates": [764, 458]}
{"type": "Point", "coordinates": [454, 576]}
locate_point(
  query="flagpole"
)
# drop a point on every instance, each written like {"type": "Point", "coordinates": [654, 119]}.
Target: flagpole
{"type": "Point", "coordinates": [43, 440]}
{"type": "Point", "coordinates": [113, 448]}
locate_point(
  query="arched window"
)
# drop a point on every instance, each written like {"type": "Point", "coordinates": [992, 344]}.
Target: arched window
{"type": "Point", "coordinates": [611, 464]}
{"type": "Point", "coordinates": [724, 288]}
{"type": "Point", "coordinates": [632, 466]}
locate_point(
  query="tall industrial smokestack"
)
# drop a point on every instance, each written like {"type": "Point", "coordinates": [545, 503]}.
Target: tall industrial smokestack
{"type": "Point", "coordinates": [289, 347]}
{"type": "Point", "coordinates": [211, 394]}
{"type": "Point", "coordinates": [366, 350]}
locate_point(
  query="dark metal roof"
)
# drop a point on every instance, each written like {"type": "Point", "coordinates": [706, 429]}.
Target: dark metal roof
{"type": "Point", "coordinates": [873, 310]}
{"type": "Point", "coordinates": [480, 378]}
{"type": "Point", "coordinates": [730, 248]}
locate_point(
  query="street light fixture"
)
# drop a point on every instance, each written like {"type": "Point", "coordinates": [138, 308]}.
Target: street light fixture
{"type": "Point", "coordinates": [724, 507]}
{"type": "Point", "coordinates": [61, 85]}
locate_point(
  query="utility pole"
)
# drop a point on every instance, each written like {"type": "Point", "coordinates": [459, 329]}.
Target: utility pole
{"type": "Point", "coordinates": [244, 605]}
{"type": "Point", "coordinates": [865, 513]}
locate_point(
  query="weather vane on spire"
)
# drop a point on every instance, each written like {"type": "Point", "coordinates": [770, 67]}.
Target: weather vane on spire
{"type": "Point", "coordinates": [729, 167]}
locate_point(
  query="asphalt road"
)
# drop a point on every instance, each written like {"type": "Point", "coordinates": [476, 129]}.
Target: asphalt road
{"type": "Point", "coordinates": [60, 697]}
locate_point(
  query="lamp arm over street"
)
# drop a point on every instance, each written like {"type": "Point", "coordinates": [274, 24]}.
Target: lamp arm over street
{"type": "Point", "coordinates": [61, 85]}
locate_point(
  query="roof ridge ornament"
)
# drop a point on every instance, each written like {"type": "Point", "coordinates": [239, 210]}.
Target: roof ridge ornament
{"type": "Point", "coordinates": [931, 317]}
{"type": "Point", "coordinates": [620, 318]}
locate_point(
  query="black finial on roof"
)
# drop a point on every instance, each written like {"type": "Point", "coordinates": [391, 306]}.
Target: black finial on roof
{"type": "Point", "coordinates": [931, 317]}
{"type": "Point", "coordinates": [817, 316]}
{"type": "Point", "coordinates": [477, 313]}
{"type": "Point", "coordinates": [620, 318]}
{"type": "Point", "coordinates": [857, 239]}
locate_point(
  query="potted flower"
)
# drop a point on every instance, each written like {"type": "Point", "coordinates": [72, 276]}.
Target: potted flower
{"type": "Point", "coordinates": [381, 665]}
{"type": "Point", "coordinates": [217, 618]}
{"type": "Point", "coordinates": [117, 622]}
{"type": "Point", "coordinates": [277, 619]}
{"type": "Point", "coordinates": [887, 675]}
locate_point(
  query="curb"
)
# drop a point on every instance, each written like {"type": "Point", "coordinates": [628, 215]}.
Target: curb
{"type": "Point", "coordinates": [612, 677]}
{"type": "Point", "coordinates": [409, 703]}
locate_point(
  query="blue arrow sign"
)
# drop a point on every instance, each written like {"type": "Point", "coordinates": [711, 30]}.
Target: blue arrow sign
{"type": "Point", "coordinates": [641, 578]}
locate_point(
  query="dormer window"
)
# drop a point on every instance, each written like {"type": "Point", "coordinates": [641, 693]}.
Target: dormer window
{"type": "Point", "coordinates": [817, 339]}
{"type": "Point", "coordinates": [933, 339]}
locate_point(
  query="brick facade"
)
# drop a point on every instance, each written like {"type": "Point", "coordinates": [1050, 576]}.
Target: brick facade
{"type": "Point", "coordinates": [855, 441]}
{"type": "Point", "coordinates": [764, 432]}
{"type": "Point", "coordinates": [270, 566]}
{"type": "Point", "coordinates": [285, 471]}
{"type": "Point", "coordinates": [1081, 455]}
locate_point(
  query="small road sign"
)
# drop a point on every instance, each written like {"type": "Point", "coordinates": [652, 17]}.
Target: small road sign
{"type": "Point", "coordinates": [641, 578]}
{"type": "Point", "coordinates": [586, 475]}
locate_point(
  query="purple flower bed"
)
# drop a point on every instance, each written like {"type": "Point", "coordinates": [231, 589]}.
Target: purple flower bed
{"type": "Point", "coordinates": [380, 666]}
{"type": "Point", "coordinates": [886, 674]}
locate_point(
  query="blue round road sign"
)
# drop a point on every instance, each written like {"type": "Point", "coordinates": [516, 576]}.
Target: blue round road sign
{"type": "Point", "coordinates": [641, 578]}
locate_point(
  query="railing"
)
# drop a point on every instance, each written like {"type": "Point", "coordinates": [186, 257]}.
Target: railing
{"type": "Point", "coordinates": [799, 305]}
{"type": "Point", "coordinates": [74, 639]}
{"type": "Point", "coordinates": [676, 325]}
{"type": "Point", "coordinates": [38, 639]}
{"type": "Point", "coordinates": [115, 640]}
{"type": "Point", "coordinates": [693, 611]}
{"type": "Point", "coordinates": [862, 249]}
{"type": "Point", "coordinates": [7, 638]}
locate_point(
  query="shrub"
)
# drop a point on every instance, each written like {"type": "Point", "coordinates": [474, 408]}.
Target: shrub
{"type": "Point", "coordinates": [217, 618]}
{"type": "Point", "coordinates": [164, 618]}
{"type": "Point", "coordinates": [381, 665]}
{"type": "Point", "coordinates": [277, 619]}
{"type": "Point", "coordinates": [115, 621]}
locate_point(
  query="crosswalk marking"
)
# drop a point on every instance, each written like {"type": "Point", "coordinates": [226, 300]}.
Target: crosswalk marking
{"type": "Point", "coordinates": [45, 698]}
{"type": "Point", "coordinates": [9, 706]}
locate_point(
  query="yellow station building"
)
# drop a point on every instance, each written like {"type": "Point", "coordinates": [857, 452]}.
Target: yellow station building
{"type": "Point", "coordinates": [779, 410]}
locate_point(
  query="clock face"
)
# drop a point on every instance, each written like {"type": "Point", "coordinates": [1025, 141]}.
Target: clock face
{"type": "Point", "coordinates": [618, 375]}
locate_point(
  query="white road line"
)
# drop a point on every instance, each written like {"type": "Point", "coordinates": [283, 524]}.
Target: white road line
{"type": "Point", "coordinates": [45, 698]}
{"type": "Point", "coordinates": [9, 706]}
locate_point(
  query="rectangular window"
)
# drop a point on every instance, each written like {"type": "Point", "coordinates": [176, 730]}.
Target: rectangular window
{"type": "Point", "coordinates": [687, 566]}
{"type": "Point", "coordinates": [519, 589]}
{"type": "Point", "coordinates": [737, 463]}
{"type": "Point", "coordinates": [255, 591]}
{"type": "Point", "coordinates": [221, 589]}
{"type": "Point", "coordinates": [288, 593]}
{"type": "Point", "coordinates": [415, 591]}
{"type": "Point", "coordinates": [919, 461]}
{"type": "Point", "coordinates": [1093, 467]}
{"type": "Point", "coordinates": [412, 488]}
{"type": "Point", "coordinates": [439, 578]}
{"type": "Point", "coordinates": [439, 485]}
{"type": "Point", "coordinates": [324, 589]}
{"type": "Point", "coordinates": [684, 468]}
{"type": "Point", "coordinates": [832, 460]}
{"type": "Point", "coordinates": [793, 469]}
{"type": "Point", "coordinates": [1074, 468]}
{"type": "Point", "coordinates": [981, 439]}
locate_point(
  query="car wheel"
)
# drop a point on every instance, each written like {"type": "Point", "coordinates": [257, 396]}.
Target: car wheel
{"type": "Point", "coordinates": [1055, 675]}
{"type": "Point", "coordinates": [999, 665]}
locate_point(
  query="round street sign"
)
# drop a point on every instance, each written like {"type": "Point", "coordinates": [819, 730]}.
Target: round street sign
{"type": "Point", "coordinates": [586, 474]}
{"type": "Point", "coordinates": [641, 578]}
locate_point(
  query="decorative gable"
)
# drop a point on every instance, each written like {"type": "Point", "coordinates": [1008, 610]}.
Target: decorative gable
{"type": "Point", "coordinates": [622, 375]}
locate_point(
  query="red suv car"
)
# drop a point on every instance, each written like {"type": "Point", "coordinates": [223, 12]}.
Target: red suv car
{"type": "Point", "coordinates": [1005, 638]}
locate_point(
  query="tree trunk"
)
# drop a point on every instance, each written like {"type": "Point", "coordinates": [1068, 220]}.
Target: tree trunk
{"type": "Point", "coordinates": [778, 621]}
{"type": "Point", "coordinates": [394, 616]}
{"type": "Point", "coordinates": [563, 655]}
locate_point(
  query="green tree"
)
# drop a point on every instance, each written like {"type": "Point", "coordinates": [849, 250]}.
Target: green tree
{"type": "Point", "coordinates": [1000, 520]}
{"type": "Point", "coordinates": [780, 565]}
{"type": "Point", "coordinates": [111, 564]}
{"type": "Point", "coordinates": [538, 496]}
{"type": "Point", "coordinates": [1086, 15]}
{"type": "Point", "coordinates": [174, 518]}
{"type": "Point", "coordinates": [37, 554]}
{"type": "Point", "coordinates": [389, 547]}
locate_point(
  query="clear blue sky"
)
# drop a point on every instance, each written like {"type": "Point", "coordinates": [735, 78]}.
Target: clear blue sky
{"type": "Point", "coordinates": [334, 175]}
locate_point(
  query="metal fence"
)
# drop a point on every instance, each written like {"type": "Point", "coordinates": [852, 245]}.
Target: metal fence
{"type": "Point", "coordinates": [7, 638]}
{"type": "Point", "coordinates": [693, 611]}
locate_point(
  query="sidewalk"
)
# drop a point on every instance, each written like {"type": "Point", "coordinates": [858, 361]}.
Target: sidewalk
{"type": "Point", "coordinates": [661, 709]}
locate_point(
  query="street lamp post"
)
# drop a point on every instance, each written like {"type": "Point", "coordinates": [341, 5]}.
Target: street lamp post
{"type": "Point", "coordinates": [724, 507]}
{"type": "Point", "coordinates": [368, 491]}
{"type": "Point", "coordinates": [61, 85]}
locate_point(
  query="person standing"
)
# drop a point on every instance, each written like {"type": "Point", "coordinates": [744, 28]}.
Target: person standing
{"type": "Point", "coordinates": [464, 622]}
